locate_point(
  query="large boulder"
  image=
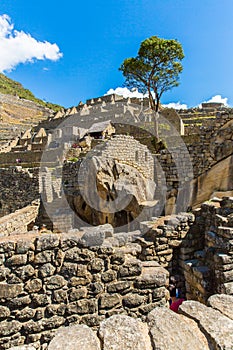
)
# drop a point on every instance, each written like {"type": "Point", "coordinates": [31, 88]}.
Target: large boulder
{"type": "Point", "coordinates": [123, 332]}
{"type": "Point", "coordinates": [73, 338]}
{"type": "Point", "coordinates": [171, 331]}
{"type": "Point", "coordinates": [223, 303]}
{"type": "Point", "coordinates": [217, 327]}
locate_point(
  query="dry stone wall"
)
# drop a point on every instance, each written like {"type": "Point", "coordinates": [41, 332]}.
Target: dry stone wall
{"type": "Point", "coordinates": [54, 280]}
{"type": "Point", "coordinates": [18, 188]}
{"type": "Point", "coordinates": [210, 270]}
{"type": "Point", "coordinates": [196, 327]}
{"type": "Point", "coordinates": [20, 221]}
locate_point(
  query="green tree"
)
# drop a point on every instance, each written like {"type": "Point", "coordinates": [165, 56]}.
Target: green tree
{"type": "Point", "coordinates": [156, 69]}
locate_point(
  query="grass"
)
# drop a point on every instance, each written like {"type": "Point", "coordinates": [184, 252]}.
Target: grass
{"type": "Point", "coordinates": [12, 87]}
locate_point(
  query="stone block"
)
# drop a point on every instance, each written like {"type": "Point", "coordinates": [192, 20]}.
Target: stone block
{"type": "Point", "coordinates": [121, 286]}
{"type": "Point", "coordinates": [108, 301]}
{"type": "Point", "coordinates": [222, 303]}
{"type": "Point", "coordinates": [179, 335]}
{"type": "Point", "coordinates": [217, 327]}
{"type": "Point", "coordinates": [9, 291]}
{"type": "Point", "coordinates": [47, 242]}
{"type": "Point", "coordinates": [33, 286]}
{"type": "Point", "coordinates": [55, 282]}
{"type": "Point", "coordinates": [44, 257]}
{"type": "Point", "coordinates": [108, 276]}
{"type": "Point", "coordinates": [131, 268]}
{"type": "Point", "coordinates": [77, 293]}
{"type": "Point", "coordinates": [152, 277]}
{"type": "Point", "coordinates": [123, 332]}
{"type": "Point", "coordinates": [18, 259]}
{"type": "Point", "coordinates": [46, 270]}
{"type": "Point", "coordinates": [133, 300]}
{"type": "Point", "coordinates": [9, 327]}
{"type": "Point", "coordinates": [4, 312]}
{"type": "Point", "coordinates": [92, 239]}
{"type": "Point", "coordinates": [73, 338]}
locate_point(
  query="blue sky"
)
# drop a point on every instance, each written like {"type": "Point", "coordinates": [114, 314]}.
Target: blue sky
{"type": "Point", "coordinates": [88, 40]}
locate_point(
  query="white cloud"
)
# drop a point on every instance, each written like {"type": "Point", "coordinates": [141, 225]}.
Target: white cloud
{"type": "Point", "coordinates": [175, 105]}
{"type": "Point", "coordinates": [20, 47]}
{"type": "Point", "coordinates": [218, 98]}
{"type": "Point", "coordinates": [125, 92]}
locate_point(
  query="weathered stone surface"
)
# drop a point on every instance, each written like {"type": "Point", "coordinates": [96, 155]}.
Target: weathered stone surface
{"type": "Point", "coordinates": [77, 293]}
{"type": "Point", "coordinates": [169, 331]}
{"type": "Point", "coordinates": [131, 267]}
{"type": "Point", "coordinates": [23, 347]}
{"type": "Point", "coordinates": [85, 306]}
{"type": "Point", "coordinates": [4, 312]}
{"type": "Point", "coordinates": [133, 300]}
{"type": "Point", "coordinates": [119, 286]}
{"type": "Point", "coordinates": [25, 314]}
{"type": "Point", "coordinates": [217, 327]}
{"type": "Point", "coordinates": [23, 246]}
{"type": "Point", "coordinates": [18, 259]}
{"type": "Point", "coordinates": [55, 282]}
{"type": "Point", "coordinates": [19, 302]}
{"type": "Point", "coordinates": [92, 239]}
{"type": "Point", "coordinates": [47, 242]}
{"type": "Point", "coordinates": [73, 338]}
{"type": "Point", "coordinates": [9, 291]}
{"type": "Point", "coordinates": [108, 276]}
{"type": "Point", "coordinates": [223, 303]}
{"type": "Point", "coordinates": [60, 296]}
{"type": "Point", "coordinates": [152, 276]}
{"type": "Point", "coordinates": [40, 299]}
{"type": "Point", "coordinates": [33, 286]}
{"type": "Point", "coordinates": [108, 301]}
{"type": "Point", "coordinates": [96, 265]}
{"type": "Point", "coordinates": [46, 270]}
{"type": "Point", "coordinates": [123, 332]}
{"type": "Point", "coordinates": [9, 327]}
{"type": "Point", "coordinates": [25, 272]}
{"type": "Point", "coordinates": [44, 257]}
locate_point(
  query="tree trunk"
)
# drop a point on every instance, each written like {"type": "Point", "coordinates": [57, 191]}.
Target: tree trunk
{"type": "Point", "coordinates": [154, 106]}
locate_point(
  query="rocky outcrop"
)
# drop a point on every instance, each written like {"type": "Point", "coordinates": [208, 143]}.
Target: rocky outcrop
{"type": "Point", "coordinates": [119, 192]}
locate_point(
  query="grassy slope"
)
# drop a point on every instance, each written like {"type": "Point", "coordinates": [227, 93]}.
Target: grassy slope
{"type": "Point", "coordinates": [11, 87]}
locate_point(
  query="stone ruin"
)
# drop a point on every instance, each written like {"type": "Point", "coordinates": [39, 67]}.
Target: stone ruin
{"type": "Point", "coordinates": [88, 276]}
{"type": "Point", "coordinates": [81, 284]}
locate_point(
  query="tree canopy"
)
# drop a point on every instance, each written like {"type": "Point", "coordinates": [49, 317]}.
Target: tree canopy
{"type": "Point", "coordinates": [156, 68]}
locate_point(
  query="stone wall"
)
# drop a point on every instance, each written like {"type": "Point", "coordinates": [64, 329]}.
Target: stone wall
{"type": "Point", "coordinates": [18, 188]}
{"type": "Point", "coordinates": [51, 280]}
{"type": "Point", "coordinates": [5, 98]}
{"type": "Point", "coordinates": [210, 270]}
{"type": "Point", "coordinates": [54, 280]}
{"type": "Point", "coordinates": [19, 221]}
{"type": "Point", "coordinates": [27, 159]}
{"type": "Point", "coordinates": [125, 149]}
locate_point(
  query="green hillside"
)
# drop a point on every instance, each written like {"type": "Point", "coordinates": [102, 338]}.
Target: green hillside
{"type": "Point", "coordinates": [11, 87]}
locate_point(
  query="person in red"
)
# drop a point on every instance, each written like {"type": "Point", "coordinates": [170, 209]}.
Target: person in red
{"type": "Point", "coordinates": [175, 300]}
